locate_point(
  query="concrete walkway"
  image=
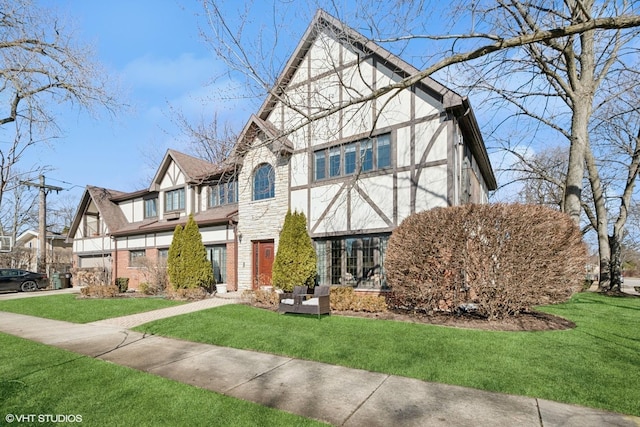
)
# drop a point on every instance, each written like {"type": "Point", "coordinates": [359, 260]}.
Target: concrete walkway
{"type": "Point", "coordinates": [336, 395]}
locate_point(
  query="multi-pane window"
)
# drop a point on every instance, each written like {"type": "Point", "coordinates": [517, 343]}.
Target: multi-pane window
{"type": "Point", "coordinates": [357, 262]}
{"type": "Point", "coordinates": [174, 200]}
{"type": "Point", "coordinates": [365, 155]}
{"type": "Point", "coordinates": [223, 193]}
{"type": "Point", "coordinates": [135, 257]}
{"type": "Point", "coordinates": [151, 208]}
{"type": "Point", "coordinates": [264, 182]}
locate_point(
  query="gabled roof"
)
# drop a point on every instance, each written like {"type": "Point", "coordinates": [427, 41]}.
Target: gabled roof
{"type": "Point", "coordinates": [109, 211]}
{"type": "Point", "coordinates": [194, 169]}
{"type": "Point", "coordinates": [454, 103]}
{"type": "Point", "coordinates": [323, 22]}
{"type": "Point", "coordinates": [256, 126]}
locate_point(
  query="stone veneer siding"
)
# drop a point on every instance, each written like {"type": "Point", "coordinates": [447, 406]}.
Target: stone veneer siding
{"type": "Point", "coordinates": [261, 219]}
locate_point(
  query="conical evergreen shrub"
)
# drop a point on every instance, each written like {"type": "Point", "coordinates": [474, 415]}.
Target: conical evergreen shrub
{"type": "Point", "coordinates": [189, 267]}
{"type": "Point", "coordinates": [173, 258]}
{"type": "Point", "coordinates": [295, 262]}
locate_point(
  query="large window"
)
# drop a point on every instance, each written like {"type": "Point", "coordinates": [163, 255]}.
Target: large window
{"type": "Point", "coordinates": [174, 200]}
{"type": "Point", "coordinates": [136, 257]}
{"type": "Point", "coordinates": [264, 182]}
{"type": "Point", "coordinates": [365, 155]}
{"type": "Point", "coordinates": [352, 261]}
{"type": "Point", "coordinates": [151, 208]}
{"type": "Point", "coordinates": [223, 193]}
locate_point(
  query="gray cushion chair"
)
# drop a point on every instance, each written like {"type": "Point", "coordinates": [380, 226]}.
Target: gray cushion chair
{"type": "Point", "coordinates": [301, 302]}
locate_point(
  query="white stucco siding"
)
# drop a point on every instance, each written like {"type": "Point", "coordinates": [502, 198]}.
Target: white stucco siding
{"type": "Point", "coordinates": [216, 234]}
{"type": "Point", "coordinates": [164, 239]}
{"type": "Point", "coordinates": [372, 205]}
{"type": "Point", "coordinates": [173, 177]}
{"type": "Point", "coordinates": [299, 202]}
{"type": "Point", "coordinates": [424, 134]}
{"type": "Point", "coordinates": [133, 242]}
{"type": "Point", "coordinates": [324, 55]}
{"type": "Point", "coordinates": [335, 219]}
{"type": "Point", "coordinates": [426, 105]}
{"type": "Point", "coordinates": [394, 107]}
{"type": "Point", "coordinates": [432, 188]}
{"type": "Point", "coordinates": [403, 147]}
{"type": "Point", "coordinates": [300, 169]}
{"type": "Point", "coordinates": [94, 245]}
{"type": "Point", "coordinates": [404, 195]}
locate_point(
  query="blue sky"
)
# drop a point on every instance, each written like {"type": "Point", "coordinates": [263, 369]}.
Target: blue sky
{"type": "Point", "coordinates": [153, 47]}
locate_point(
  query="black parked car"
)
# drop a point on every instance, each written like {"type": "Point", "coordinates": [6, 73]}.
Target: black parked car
{"type": "Point", "coordinates": [12, 279]}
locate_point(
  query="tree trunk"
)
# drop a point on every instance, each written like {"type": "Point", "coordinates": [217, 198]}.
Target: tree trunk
{"type": "Point", "coordinates": [615, 265]}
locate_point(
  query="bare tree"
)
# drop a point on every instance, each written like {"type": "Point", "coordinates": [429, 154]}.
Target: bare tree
{"type": "Point", "coordinates": [560, 89]}
{"type": "Point", "coordinates": [541, 60]}
{"type": "Point", "coordinates": [42, 66]}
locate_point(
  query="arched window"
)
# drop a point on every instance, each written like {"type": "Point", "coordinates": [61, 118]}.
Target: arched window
{"type": "Point", "coordinates": [263, 182]}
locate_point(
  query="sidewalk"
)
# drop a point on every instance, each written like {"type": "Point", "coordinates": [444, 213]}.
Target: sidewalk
{"type": "Point", "coordinates": [337, 395]}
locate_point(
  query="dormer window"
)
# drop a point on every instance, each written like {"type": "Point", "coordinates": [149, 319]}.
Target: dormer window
{"type": "Point", "coordinates": [174, 200]}
{"type": "Point", "coordinates": [151, 208]}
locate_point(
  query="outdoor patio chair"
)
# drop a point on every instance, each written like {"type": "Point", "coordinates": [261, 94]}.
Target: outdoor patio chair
{"type": "Point", "coordinates": [288, 301]}
{"type": "Point", "coordinates": [304, 303]}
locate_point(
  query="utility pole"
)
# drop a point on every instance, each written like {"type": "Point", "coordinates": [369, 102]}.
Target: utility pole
{"type": "Point", "coordinates": [42, 220]}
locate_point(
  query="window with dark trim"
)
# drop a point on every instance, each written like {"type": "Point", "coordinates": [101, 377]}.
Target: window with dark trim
{"type": "Point", "coordinates": [264, 182]}
{"type": "Point", "coordinates": [365, 155]}
{"type": "Point", "coordinates": [135, 257]}
{"type": "Point", "coordinates": [151, 208]}
{"type": "Point", "coordinates": [352, 261]}
{"type": "Point", "coordinates": [223, 193]}
{"type": "Point", "coordinates": [174, 200]}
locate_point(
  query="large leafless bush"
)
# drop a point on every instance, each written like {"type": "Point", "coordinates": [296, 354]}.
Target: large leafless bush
{"type": "Point", "coordinates": [496, 260]}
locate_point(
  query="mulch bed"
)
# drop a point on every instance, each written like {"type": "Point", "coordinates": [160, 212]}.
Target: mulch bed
{"type": "Point", "coordinates": [532, 321]}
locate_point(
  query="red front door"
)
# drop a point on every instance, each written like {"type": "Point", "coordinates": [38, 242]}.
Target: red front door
{"type": "Point", "coordinates": [263, 256]}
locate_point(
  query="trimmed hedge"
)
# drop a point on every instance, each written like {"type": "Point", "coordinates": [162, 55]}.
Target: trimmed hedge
{"type": "Point", "coordinates": [495, 260]}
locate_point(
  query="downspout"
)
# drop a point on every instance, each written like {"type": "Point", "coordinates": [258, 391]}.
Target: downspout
{"type": "Point", "coordinates": [115, 259]}
{"type": "Point", "coordinates": [235, 252]}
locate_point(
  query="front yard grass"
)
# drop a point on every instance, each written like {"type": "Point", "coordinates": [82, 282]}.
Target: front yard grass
{"type": "Point", "coordinates": [36, 379]}
{"type": "Point", "coordinates": [595, 364]}
{"type": "Point", "coordinates": [82, 310]}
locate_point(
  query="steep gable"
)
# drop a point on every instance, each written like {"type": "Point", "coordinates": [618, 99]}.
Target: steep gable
{"type": "Point", "coordinates": [192, 168]}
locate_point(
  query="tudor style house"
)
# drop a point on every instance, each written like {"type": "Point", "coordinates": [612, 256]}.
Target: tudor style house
{"type": "Point", "coordinates": [355, 167]}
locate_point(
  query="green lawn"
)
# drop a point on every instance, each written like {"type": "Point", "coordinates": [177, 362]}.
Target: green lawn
{"type": "Point", "coordinates": [595, 364]}
{"type": "Point", "coordinates": [82, 310]}
{"type": "Point", "coordinates": [42, 380]}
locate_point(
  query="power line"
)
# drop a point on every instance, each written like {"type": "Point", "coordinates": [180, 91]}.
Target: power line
{"type": "Point", "coordinates": [42, 218]}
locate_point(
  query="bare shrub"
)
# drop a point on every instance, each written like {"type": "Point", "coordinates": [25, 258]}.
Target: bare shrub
{"type": "Point", "coordinates": [343, 298]}
{"type": "Point", "coordinates": [155, 274]}
{"type": "Point", "coordinates": [100, 291]}
{"type": "Point", "coordinates": [263, 297]}
{"type": "Point", "coordinates": [187, 294]}
{"type": "Point", "coordinates": [496, 260]}
{"type": "Point", "coordinates": [91, 276]}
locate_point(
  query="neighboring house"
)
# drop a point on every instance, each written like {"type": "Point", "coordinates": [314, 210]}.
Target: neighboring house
{"type": "Point", "coordinates": [355, 174]}
{"type": "Point", "coordinates": [27, 247]}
